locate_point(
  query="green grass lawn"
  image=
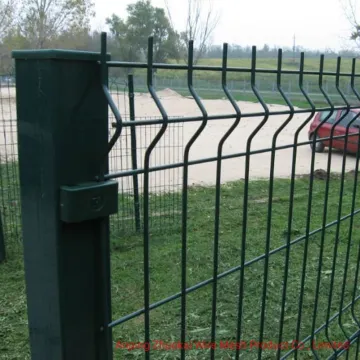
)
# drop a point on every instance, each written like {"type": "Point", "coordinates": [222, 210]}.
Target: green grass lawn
{"type": "Point", "coordinates": [127, 265]}
{"type": "Point", "coordinates": [310, 64]}
{"type": "Point", "coordinates": [165, 272]}
{"type": "Point", "coordinates": [265, 81]}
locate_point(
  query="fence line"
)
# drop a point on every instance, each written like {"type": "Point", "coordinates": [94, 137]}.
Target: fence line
{"type": "Point", "coordinates": [120, 159]}
{"type": "Point", "coordinates": [290, 86]}
{"type": "Point", "coordinates": [241, 242]}
{"type": "Point", "coordinates": [265, 268]}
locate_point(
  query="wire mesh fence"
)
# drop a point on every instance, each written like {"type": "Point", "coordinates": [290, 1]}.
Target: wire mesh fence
{"type": "Point", "coordinates": [265, 260]}
{"type": "Point", "coordinates": [10, 206]}
{"type": "Point", "coordinates": [290, 85]}
{"type": "Point", "coordinates": [128, 155]}
{"type": "Point", "coordinates": [258, 269]}
{"type": "Point", "coordinates": [241, 89]}
{"type": "Point", "coordinates": [124, 157]}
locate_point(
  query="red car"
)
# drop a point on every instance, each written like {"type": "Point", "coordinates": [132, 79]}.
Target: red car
{"type": "Point", "coordinates": [340, 129]}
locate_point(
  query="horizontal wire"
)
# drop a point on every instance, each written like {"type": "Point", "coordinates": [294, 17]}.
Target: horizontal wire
{"type": "Point", "coordinates": [141, 65]}
{"type": "Point", "coordinates": [174, 120]}
{"type": "Point", "coordinates": [121, 174]}
{"type": "Point", "coordinates": [225, 273]}
{"type": "Point", "coordinates": [322, 327]}
{"type": "Point", "coordinates": [354, 337]}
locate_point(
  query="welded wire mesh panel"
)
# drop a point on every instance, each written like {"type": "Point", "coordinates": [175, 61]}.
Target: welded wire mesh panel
{"type": "Point", "coordinates": [128, 155]}
{"type": "Point", "coordinates": [265, 264]}
{"type": "Point", "coordinates": [9, 178]}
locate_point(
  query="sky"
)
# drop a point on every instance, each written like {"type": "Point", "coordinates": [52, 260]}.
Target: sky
{"type": "Point", "coordinates": [316, 24]}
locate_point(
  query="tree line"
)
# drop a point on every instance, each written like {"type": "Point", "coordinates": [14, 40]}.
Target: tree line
{"type": "Point", "coordinates": [238, 51]}
{"type": "Point", "coordinates": [39, 24]}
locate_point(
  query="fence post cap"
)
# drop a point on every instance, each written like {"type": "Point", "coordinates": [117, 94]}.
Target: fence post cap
{"type": "Point", "coordinates": [58, 54]}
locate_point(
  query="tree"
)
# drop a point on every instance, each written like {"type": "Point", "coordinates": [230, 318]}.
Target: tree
{"type": "Point", "coordinates": [8, 9]}
{"type": "Point", "coordinates": [349, 9]}
{"type": "Point", "coordinates": [44, 20]}
{"type": "Point", "coordinates": [13, 40]}
{"type": "Point", "coordinates": [200, 25]}
{"type": "Point", "coordinates": [124, 48]}
{"type": "Point", "coordinates": [132, 35]}
{"type": "Point", "coordinates": [74, 39]}
{"type": "Point", "coordinates": [266, 48]}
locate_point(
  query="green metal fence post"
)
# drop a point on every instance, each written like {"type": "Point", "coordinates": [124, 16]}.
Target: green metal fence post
{"type": "Point", "coordinates": [134, 153]}
{"type": "Point", "coordinates": [63, 137]}
{"type": "Point", "coordinates": [2, 242]}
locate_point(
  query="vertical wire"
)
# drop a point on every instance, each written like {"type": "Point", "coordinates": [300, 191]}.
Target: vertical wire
{"type": "Point", "coordinates": [185, 192]}
{"type": "Point", "coordinates": [322, 240]}
{"type": "Point", "coordinates": [341, 202]}
{"type": "Point", "coordinates": [218, 193]}
{"type": "Point", "coordinates": [271, 190]}
{"type": "Point", "coordinates": [104, 79]}
{"type": "Point", "coordinates": [291, 199]}
{"type": "Point", "coordinates": [146, 192]}
{"type": "Point", "coordinates": [246, 195]}
{"type": "Point", "coordinates": [111, 103]}
{"type": "Point", "coordinates": [353, 202]}
{"type": "Point", "coordinates": [333, 127]}
{"type": "Point", "coordinates": [134, 148]}
{"type": "Point", "coordinates": [308, 218]}
{"type": "Point", "coordinates": [103, 67]}
{"type": "Point", "coordinates": [357, 348]}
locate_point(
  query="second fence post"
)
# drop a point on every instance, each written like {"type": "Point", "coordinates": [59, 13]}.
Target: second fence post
{"type": "Point", "coordinates": [134, 153]}
{"type": "Point", "coordinates": [63, 141]}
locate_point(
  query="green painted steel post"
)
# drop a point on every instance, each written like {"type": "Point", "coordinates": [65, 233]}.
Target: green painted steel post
{"type": "Point", "coordinates": [2, 242]}
{"type": "Point", "coordinates": [134, 153]}
{"type": "Point", "coordinates": [63, 136]}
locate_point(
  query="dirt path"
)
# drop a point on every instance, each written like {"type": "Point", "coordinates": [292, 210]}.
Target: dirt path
{"type": "Point", "coordinates": [207, 143]}
{"type": "Point", "coordinates": [170, 148]}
